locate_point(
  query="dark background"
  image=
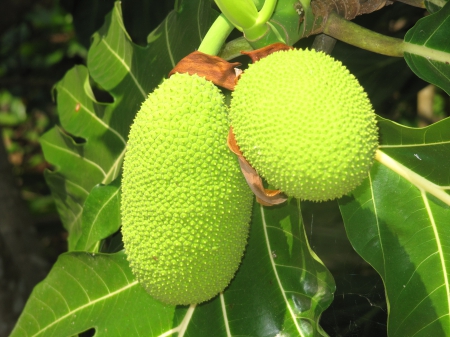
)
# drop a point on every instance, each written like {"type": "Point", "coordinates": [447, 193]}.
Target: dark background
{"type": "Point", "coordinates": [41, 40]}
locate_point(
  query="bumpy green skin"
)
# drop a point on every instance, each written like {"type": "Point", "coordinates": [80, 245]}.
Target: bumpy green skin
{"type": "Point", "coordinates": [185, 204]}
{"type": "Point", "coordinates": [305, 124]}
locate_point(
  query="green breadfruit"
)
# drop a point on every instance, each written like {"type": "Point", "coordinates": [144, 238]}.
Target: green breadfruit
{"type": "Point", "coordinates": [305, 124]}
{"type": "Point", "coordinates": [185, 204]}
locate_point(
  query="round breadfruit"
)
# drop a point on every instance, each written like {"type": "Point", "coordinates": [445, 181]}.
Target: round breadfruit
{"type": "Point", "coordinates": [305, 124]}
{"type": "Point", "coordinates": [185, 205]}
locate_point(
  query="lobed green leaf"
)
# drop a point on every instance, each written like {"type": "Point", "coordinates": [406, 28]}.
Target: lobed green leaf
{"type": "Point", "coordinates": [88, 147]}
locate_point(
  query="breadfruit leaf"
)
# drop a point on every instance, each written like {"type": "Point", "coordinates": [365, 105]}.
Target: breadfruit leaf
{"type": "Point", "coordinates": [88, 147]}
{"type": "Point", "coordinates": [399, 222]}
{"type": "Point", "coordinates": [86, 290]}
{"type": "Point", "coordinates": [280, 287]}
{"type": "Point", "coordinates": [101, 216]}
{"type": "Point", "coordinates": [427, 50]}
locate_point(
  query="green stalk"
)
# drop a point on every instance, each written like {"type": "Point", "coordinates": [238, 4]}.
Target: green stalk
{"type": "Point", "coordinates": [242, 13]}
{"type": "Point", "coordinates": [351, 33]}
{"type": "Point", "coordinates": [266, 12]}
{"type": "Point", "coordinates": [216, 36]}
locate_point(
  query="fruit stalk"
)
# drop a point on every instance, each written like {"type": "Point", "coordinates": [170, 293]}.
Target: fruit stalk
{"type": "Point", "coordinates": [358, 36]}
{"type": "Point", "coordinates": [245, 16]}
{"type": "Point", "coordinates": [216, 36]}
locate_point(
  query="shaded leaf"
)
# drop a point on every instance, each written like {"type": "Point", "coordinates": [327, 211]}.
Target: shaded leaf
{"type": "Point", "coordinates": [404, 236]}
{"type": "Point", "coordinates": [426, 48]}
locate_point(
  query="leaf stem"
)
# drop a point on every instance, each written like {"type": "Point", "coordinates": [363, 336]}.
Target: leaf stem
{"type": "Point", "coordinates": [216, 36]}
{"type": "Point", "coordinates": [266, 12]}
{"type": "Point", "coordinates": [351, 33]}
{"type": "Point", "coordinates": [420, 182]}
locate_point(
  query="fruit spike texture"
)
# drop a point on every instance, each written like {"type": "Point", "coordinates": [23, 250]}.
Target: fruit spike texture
{"type": "Point", "coordinates": [185, 204]}
{"type": "Point", "coordinates": [305, 124]}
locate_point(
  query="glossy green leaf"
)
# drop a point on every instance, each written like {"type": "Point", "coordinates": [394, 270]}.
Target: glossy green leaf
{"type": "Point", "coordinates": [92, 290]}
{"type": "Point", "coordinates": [88, 148]}
{"type": "Point", "coordinates": [101, 216]}
{"type": "Point", "coordinates": [426, 48]}
{"type": "Point", "coordinates": [280, 288]}
{"type": "Point", "coordinates": [398, 222]}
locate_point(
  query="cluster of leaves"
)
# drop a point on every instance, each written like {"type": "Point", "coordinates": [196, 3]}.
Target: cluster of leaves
{"type": "Point", "coordinates": [396, 220]}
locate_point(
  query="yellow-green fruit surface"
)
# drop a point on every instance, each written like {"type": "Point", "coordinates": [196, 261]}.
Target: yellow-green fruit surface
{"type": "Point", "coordinates": [185, 204]}
{"type": "Point", "coordinates": [305, 124]}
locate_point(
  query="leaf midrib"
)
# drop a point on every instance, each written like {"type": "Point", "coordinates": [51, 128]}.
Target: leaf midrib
{"type": "Point", "coordinates": [89, 303]}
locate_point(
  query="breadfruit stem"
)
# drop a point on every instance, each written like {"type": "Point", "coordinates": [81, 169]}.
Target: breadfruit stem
{"type": "Point", "coordinates": [245, 16]}
{"type": "Point", "coordinates": [420, 182]}
{"type": "Point", "coordinates": [216, 36]}
{"type": "Point", "coordinates": [242, 13]}
{"type": "Point", "coordinates": [351, 33]}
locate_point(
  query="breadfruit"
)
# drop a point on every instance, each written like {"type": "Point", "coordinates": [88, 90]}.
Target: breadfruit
{"type": "Point", "coordinates": [305, 124]}
{"type": "Point", "coordinates": [185, 204]}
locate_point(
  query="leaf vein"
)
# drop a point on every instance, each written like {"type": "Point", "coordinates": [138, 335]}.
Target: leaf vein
{"type": "Point", "coordinates": [127, 68]}
{"type": "Point", "coordinates": [86, 305]}
{"type": "Point", "coordinates": [291, 312]}
{"type": "Point", "coordinates": [94, 116]}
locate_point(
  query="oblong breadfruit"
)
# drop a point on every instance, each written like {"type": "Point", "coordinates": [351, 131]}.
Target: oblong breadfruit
{"type": "Point", "coordinates": [185, 204]}
{"type": "Point", "coordinates": [305, 124]}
